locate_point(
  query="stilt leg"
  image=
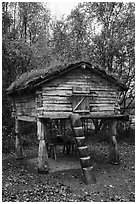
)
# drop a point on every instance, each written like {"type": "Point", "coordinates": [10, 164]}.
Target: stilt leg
{"type": "Point", "coordinates": [114, 155]}
{"type": "Point", "coordinates": [43, 166]}
{"type": "Point", "coordinates": [18, 143]}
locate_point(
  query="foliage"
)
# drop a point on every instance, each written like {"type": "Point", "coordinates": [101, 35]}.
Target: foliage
{"type": "Point", "coordinates": [18, 35]}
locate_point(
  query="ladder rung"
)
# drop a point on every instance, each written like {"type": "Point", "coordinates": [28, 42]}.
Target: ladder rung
{"type": "Point", "coordinates": [88, 168]}
{"type": "Point", "coordinates": [80, 138]}
{"type": "Point", "coordinates": [80, 148]}
{"type": "Point", "coordinates": [77, 128]}
{"type": "Point", "coordinates": [85, 158]}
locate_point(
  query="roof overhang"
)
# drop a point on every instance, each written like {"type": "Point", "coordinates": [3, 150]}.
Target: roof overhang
{"type": "Point", "coordinates": [33, 85]}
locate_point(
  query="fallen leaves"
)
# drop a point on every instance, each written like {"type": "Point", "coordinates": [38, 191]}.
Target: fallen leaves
{"type": "Point", "coordinates": [114, 183]}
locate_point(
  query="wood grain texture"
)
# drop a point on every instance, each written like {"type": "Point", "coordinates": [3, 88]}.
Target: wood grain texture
{"type": "Point", "coordinates": [57, 96]}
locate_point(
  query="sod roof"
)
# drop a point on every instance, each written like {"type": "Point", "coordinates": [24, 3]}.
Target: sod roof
{"type": "Point", "coordinates": [34, 78]}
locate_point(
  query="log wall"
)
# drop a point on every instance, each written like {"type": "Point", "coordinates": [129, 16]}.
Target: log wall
{"type": "Point", "coordinates": [25, 105]}
{"type": "Point", "coordinates": [57, 94]}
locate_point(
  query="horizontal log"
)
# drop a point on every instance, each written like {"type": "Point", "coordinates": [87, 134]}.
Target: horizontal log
{"type": "Point", "coordinates": [57, 100]}
{"type": "Point", "coordinates": [55, 115]}
{"type": "Point", "coordinates": [102, 112]}
{"type": "Point", "coordinates": [105, 116]}
{"type": "Point", "coordinates": [101, 108]}
{"type": "Point", "coordinates": [71, 84]}
{"type": "Point", "coordinates": [59, 107]}
{"type": "Point", "coordinates": [101, 105]}
{"type": "Point", "coordinates": [62, 87]}
{"type": "Point", "coordinates": [22, 112]}
{"type": "Point", "coordinates": [103, 93]}
{"type": "Point", "coordinates": [58, 93]}
{"type": "Point", "coordinates": [25, 101]}
{"type": "Point", "coordinates": [25, 107]}
{"type": "Point", "coordinates": [101, 102]}
{"type": "Point", "coordinates": [100, 93]}
{"type": "Point", "coordinates": [78, 75]}
{"type": "Point", "coordinates": [68, 100]}
{"type": "Point", "coordinates": [26, 118]}
{"type": "Point", "coordinates": [103, 97]}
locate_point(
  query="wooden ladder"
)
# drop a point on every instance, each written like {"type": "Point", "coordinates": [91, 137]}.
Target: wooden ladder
{"type": "Point", "coordinates": [85, 160]}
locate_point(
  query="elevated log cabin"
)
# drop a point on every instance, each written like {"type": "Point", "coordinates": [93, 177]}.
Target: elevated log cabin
{"type": "Point", "coordinates": [58, 91]}
{"type": "Point", "coordinates": [64, 89]}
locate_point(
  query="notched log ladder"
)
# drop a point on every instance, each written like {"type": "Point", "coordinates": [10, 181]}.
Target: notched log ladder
{"type": "Point", "coordinates": [85, 160]}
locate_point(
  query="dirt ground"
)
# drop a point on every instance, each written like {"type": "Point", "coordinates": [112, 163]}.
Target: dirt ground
{"type": "Point", "coordinates": [115, 183]}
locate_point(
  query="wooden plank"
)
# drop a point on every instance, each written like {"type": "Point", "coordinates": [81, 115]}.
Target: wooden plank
{"type": "Point", "coordinates": [55, 115]}
{"type": "Point", "coordinates": [73, 79]}
{"type": "Point", "coordinates": [26, 118]}
{"type": "Point", "coordinates": [83, 89]}
{"type": "Point", "coordinates": [105, 93]}
{"type": "Point", "coordinates": [100, 96]}
{"type": "Point", "coordinates": [83, 78]}
{"type": "Point", "coordinates": [112, 98]}
{"type": "Point", "coordinates": [102, 102]}
{"type": "Point", "coordinates": [69, 93]}
{"type": "Point", "coordinates": [91, 86]}
{"type": "Point", "coordinates": [65, 83]}
{"type": "Point", "coordinates": [46, 88]}
{"type": "Point", "coordinates": [101, 109]}
{"type": "Point", "coordinates": [64, 99]}
{"type": "Point", "coordinates": [58, 93]}
{"type": "Point", "coordinates": [102, 105]}
{"type": "Point", "coordinates": [105, 116]}
{"type": "Point", "coordinates": [57, 99]}
{"type": "Point", "coordinates": [78, 76]}
{"type": "Point", "coordinates": [56, 103]}
{"type": "Point", "coordinates": [104, 97]}
{"type": "Point", "coordinates": [57, 107]}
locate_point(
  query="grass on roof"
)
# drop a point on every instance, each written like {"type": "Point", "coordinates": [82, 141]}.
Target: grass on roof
{"type": "Point", "coordinates": [44, 72]}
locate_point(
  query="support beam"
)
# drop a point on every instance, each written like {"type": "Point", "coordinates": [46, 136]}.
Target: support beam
{"type": "Point", "coordinates": [43, 166]}
{"type": "Point", "coordinates": [18, 142]}
{"type": "Point", "coordinates": [113, 148]}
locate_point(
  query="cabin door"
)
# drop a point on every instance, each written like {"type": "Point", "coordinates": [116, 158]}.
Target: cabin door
{"type": "Point", "coordinates": [80, 100]}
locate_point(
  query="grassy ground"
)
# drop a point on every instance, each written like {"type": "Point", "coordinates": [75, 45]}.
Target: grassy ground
{"type": "Point", "coordinates": [21, 182]}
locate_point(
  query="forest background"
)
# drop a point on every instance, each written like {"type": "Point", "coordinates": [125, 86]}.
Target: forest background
{"type": "Point", "coordinates": [101, 33]}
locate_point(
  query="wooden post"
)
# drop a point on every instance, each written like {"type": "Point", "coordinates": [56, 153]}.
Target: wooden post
{"type": "Point", "coordinates": [18, 142]}
{"type": "Point", "coordinates": [114, 155]}
{"type": "Point", "coordinates": [43, 166]}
